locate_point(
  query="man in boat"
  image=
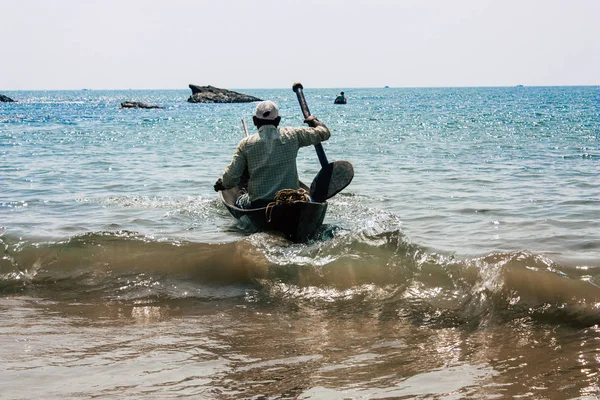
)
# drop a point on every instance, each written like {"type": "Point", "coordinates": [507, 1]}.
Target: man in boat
{"type": "Point", "coordinates": [269, 157]}
{"type": "Point", "coordinates": [340, 99]}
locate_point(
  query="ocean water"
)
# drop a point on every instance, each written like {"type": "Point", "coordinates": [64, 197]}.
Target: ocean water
{"type": "Point", "coordinates": [463, 261]}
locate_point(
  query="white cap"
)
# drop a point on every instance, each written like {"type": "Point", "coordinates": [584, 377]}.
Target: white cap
{"type": "Point", "coordinates": [266, 110]}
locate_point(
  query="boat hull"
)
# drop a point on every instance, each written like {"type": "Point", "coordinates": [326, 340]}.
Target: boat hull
{"type": "Point", "coordinates": [297, 221]}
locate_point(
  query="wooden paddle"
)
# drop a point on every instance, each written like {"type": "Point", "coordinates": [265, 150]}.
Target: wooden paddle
{"type": "Point", "coordinates": [333, 177]}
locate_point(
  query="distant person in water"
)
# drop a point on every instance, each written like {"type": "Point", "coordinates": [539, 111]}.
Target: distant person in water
{"type": "Point", "coordinates": [269, 157]}
{"type": "Point", "coordinates": [340, 99]}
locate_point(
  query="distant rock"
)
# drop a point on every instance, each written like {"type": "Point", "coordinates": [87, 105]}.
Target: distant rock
{"type": "Point", "coordinates": [6, 99]}
{"type": "Point", "coordinates": [211, 94]}
{"type": "Point", "coordinates": [137, 104]}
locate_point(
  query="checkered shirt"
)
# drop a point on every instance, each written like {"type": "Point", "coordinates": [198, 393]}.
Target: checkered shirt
{"type": "Point", "coordinates": [270, 157]}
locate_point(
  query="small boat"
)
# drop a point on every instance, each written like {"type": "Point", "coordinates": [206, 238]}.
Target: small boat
{"type": "Point", "coordinates": [340, 99]}
{"type": "Point", "coordinates": [297, 221]}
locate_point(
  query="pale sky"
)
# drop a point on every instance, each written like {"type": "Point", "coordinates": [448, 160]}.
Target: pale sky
{"type": "Point", "coordinates": [241, 44]}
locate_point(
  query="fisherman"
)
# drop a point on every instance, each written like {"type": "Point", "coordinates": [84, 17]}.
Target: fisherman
{"type": "Point", "coordinates": [270, 156]}
{"type": "Point", "coordinates": [340, 99]}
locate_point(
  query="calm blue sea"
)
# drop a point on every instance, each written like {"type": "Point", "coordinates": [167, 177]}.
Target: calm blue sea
{"type": "Point", "coordinates": [468, 242]}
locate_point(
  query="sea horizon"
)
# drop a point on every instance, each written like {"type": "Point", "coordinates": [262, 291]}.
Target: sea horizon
{"type": "Point", "coordinates": [323, 87]}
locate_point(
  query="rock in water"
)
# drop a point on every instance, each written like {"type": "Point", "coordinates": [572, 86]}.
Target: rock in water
{"type": "Point", "coordinates": [211, 94]}
{"type": "Point", "coordinates": [137, 104]}
{"type": "Point", "coordinates": [6, 99]}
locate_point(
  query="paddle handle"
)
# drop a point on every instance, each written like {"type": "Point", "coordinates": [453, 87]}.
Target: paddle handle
{"type": "Point", "coordinates": [297, 88]}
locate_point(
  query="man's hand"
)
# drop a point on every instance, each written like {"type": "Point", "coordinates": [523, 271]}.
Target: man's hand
{"type": "Point", "coordinates": [219, 185]}
{"type": "Point", "coordinates": [313, 121]}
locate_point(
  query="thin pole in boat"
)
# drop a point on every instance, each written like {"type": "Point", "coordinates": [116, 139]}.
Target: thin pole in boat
{"type": "Point", "coordinates": [245, 127]}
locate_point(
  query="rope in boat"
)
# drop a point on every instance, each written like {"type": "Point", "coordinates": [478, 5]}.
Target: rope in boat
{"type": "Point", "coordinates": [287, 196]}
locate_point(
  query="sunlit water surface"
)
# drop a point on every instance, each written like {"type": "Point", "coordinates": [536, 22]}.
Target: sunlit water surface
{"type": "Point", "coordinates": [461, 262]}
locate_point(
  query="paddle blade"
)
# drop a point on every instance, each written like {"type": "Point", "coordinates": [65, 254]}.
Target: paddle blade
{"type": "Point", "coordinates": [331, 180]}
